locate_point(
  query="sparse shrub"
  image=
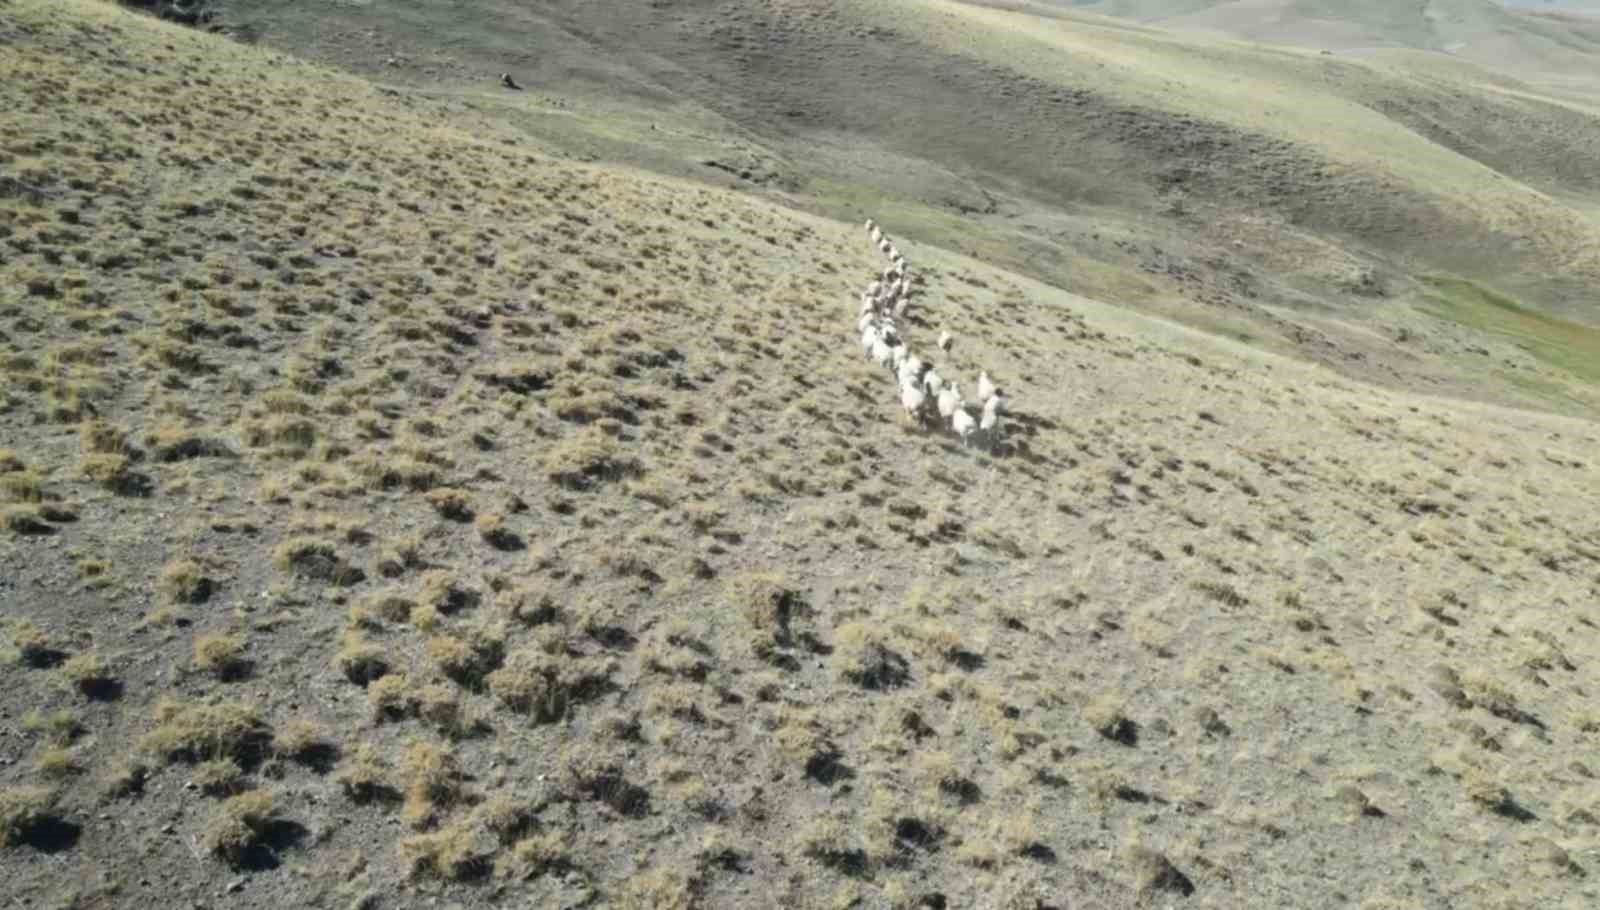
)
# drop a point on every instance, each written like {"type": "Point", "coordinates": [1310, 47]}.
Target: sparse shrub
{"type": "Point", "coordinates": [1221, 592]}
{"type": "Point", "coordinates": [172, 442]}
{"type": "Point", "coordinates": [361, 661]}
{"type": "Point", "coordinates": [113, 472]}
{"type": "Point", "coordinates": [25, 519]}
{"type": "Point", "coordinates": [467, 663]}
{"type": "Point", "coordinates": [60, 726]}
{"type": "Point", "coordinates": [315, 558]}
{"type": "Point", "coordinates": [57, 512]}
{"type": "Point", "coordinates": [57, 763]}
{"type": "Point", "coordinates": [599, 775]}
{"type": "Point", "coordinates": [867, 660]}
{"type": "Point", "coordinates": [588, 459]}
{"type": "Point", "coordinates": [389, 606]}
{"type": "Point", "coordinates": [301, 740]}
{"type": "Point", "coordinates": [22, 486]}
{"type": "Point", "coordinates": [829, 841]}
{"type": "Point", "coordinates": [507, 817]}
{"type": "Point", "coordinates": [546, 685]}
{"type": "Point", "coordinates": [364, 776]}
{"type": "Point", "coordinates": [491, 526]}
{"type": "Point", "coordinates": [441, 590]}
{"type": "Point", "coordinates": [88, 674]}
{"type": "Point", "coordinates": [451, 504]}
{"type": "Point", "coordinates": [126, 778]}
{"type": "Point", "coordinates": [432, 781]}
{"type": "Point", "coordinates": [1106, 714]}
{"type": "Point", "coordinates": [198, 732]}
{"type": "Point", "coordinates": [388, 696]}
{"type": "Point", "coordinates": [184, 581]}
{"type": "Point", "coordinates": [221, 656]}
{"type": "Point", "coordinates": [238, 826]}
{"type": "Point", "coordinates": [777, 612]}
{"type": "Point", "coordinates": [33, 647]}
{"type": "Point", "coordinates": [661, 889]}
{"type": "Point", "coordinates": [1496, 798]}
{"type": "Point", "coordinates": [101, 438]}
{"type": "Point", "coordinates": [23, 810]}
{"type": "Point", "coordinates": [1153, 872]}
{"type": "Point", "coordinates": [400, 556]}
{"type": "Point", "coordinates": [533, 856]}
{"type": "Point", "coordinates": [439, 705]}
{"type": "Point", "coordinates": [459, 852]}
{"type": "Point", "coordinates": [219, 777]}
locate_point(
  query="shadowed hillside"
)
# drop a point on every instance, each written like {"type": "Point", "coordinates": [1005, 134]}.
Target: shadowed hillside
{"type": "Point", "coordinates": [396, 513]}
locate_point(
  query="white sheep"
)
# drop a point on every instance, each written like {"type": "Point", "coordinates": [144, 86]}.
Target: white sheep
{"type": "Point", "coordinates": [912, 398]}
{"type": "Point", "coordinates": [986, 389]}
{"type": "Point", "coordinates": [869, 336]}
{"type": "Point", "coordinates": [897, 355]}
{"type": "Point", "coordinates": [949, 401]}
{"type": "Point", "coordinates": [880, 351]}
{"type": "Point", "coordinates": [910, 369]}
{"type": "Point", "coordinates": [933, 382]}
{"type": "Point", "coordinates": [945, 339]}
{"type": "Point", "coordinates": [871, 225]}
{"type": "Point", "coordinates": [989, 422]}
{"type": "Point", "coordinates": [962, 423]}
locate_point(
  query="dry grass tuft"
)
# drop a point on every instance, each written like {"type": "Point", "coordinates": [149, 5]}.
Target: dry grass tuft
{"type": "Point", "coordinates": [535, 855]}
{"type": "Point", "coordinates": [31, 647]}
{"type": "Point", "coordinates": [432, 782]}
{"type": "Point", "coordinates": [60, 726]}
{"type": "Point", "coordinates": [90, 674]}
{"type": "Point", "coordinates": [316, 559]}
{"type": "Point", "coordinates": [184, 581]}
{"type": "Point", "coordinates": [239, 827]}
{"type": "Point", "coordinates": [57, 763]}
{"type": "Point", "coordinates": [114, 472]}
{"type": "Point", "coordinates": [364, 776]}
{"type": "Point", "coordinates": [460, 852]}
{"type": "Point", "coordinates": [23, 810]}
{"type": "Point", "coordinates": [218, 777]}
{"type": "Point", "coordinates": [360, 660]}
{"type": "Point", "coordinates": [221, 656]}
{"type": "Point", "coordinates": [200, 732]}
{"type": "Point", "coordinates": [26, 520]}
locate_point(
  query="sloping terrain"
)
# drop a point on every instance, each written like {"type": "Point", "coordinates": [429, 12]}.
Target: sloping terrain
{"type": "Point", "coordinates": [1284, 197]}
{"type": "Point", "coordinates": [399, 514]}
{"type": "Point", "coordinates": [1538, 42]}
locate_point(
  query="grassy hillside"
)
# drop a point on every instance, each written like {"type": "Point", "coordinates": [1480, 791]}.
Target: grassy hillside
{"type": "Point", "coordinates": [1274, 195]}
{"type": "Point", "coordinates": [398, 513]}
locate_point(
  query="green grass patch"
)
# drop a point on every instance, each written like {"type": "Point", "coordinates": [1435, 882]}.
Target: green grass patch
{"type": "Point", "coordinates": [1567, 346]}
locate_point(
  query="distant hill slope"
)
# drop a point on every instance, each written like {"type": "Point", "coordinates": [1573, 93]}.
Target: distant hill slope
{"type": "Point", "coordinates": [1031, 113]}
{"type": "Point", "coordinates": [1546, 48]}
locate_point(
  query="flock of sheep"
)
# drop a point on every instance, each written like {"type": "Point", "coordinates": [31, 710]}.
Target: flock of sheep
{"type": "Point", "coordinates": [927, 397]}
